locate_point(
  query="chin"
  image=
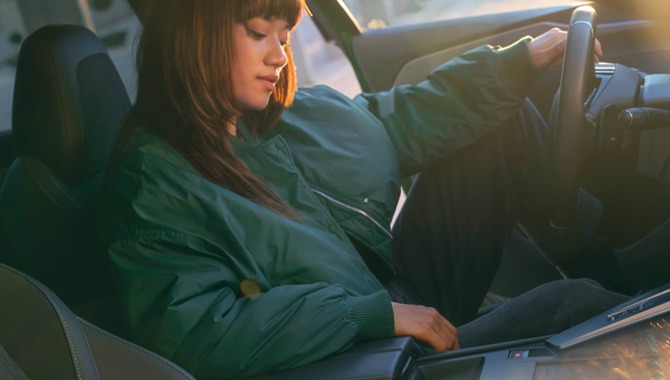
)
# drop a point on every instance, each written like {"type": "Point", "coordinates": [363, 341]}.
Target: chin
{"type": "Point", "coordinates": [258, 105]}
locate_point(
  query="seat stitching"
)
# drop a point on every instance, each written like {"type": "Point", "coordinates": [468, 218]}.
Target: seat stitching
{"type": "Point", "coordinates": [69, 339]}
{"type": "Point", "coordinates": [143, 351]}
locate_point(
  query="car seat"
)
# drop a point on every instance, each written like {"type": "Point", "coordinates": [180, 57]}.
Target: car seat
{"type": "Point", "coordinates": [48, 341]}
{"type": "Point", "coordinates": [69, 103]}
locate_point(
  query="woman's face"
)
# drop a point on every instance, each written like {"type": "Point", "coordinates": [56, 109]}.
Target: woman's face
{"type": "Point", "coordinates": [259, 59]}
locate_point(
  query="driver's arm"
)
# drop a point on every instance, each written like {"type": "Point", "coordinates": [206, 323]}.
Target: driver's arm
{"type": "Point", "coordinates": [460, 102]}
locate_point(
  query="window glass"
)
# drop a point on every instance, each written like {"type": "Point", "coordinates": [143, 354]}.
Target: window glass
{"type": "Point", "coordinates": [320, 62]}
{"type": "Point", "coordinates": [118, 28]}
{"type": "Point", "coordinates": [12, 32]}
{"type": "Point", "coordinates": [113, 21]}
{"type": "Point", "coordinates": [373, 14]}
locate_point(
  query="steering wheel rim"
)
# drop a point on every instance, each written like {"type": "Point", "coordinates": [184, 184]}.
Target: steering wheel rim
{"type": "Point", "coordinates": [570, 117]}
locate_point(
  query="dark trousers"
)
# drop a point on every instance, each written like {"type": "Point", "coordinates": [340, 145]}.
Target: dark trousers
{"type": "Point", "coordinates": [450, 234]}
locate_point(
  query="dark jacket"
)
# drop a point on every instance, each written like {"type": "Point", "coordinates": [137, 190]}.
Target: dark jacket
{"type": "Point", "coordinates": [227, 288]}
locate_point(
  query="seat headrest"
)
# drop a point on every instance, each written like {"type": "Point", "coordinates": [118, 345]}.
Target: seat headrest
{"type": "Point", "coordinates": [69, 101]}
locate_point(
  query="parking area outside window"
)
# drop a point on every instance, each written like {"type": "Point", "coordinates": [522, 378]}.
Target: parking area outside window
{"type": "Point", "coordinates": [12, 32]}
{"type": "Point", "coordinates": [112, 20]}
{"type": "Point", "coordinates": [374, 14]}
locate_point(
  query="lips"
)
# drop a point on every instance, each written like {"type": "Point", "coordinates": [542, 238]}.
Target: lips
{"type": "Point", "coordinates": [269, 81]}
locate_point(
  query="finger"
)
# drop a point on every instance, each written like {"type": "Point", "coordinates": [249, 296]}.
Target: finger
{"type": "Point", "coordinates": [442, 342]}
{"type": "Point", "coordinates": [452, 337]}
{"type": "Point", "coordinates": [598, 48]}
{"type": "Point", "coordinates": [448, 332]}
{"type": "Point", "coordinates": [436, 338]}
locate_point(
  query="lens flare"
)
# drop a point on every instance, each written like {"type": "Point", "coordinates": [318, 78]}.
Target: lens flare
{"type": "Point", "coordinates": [639, 352]}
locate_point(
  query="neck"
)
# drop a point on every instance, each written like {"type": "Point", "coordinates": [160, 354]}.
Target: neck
{"type": "Point", "coordinates": [231, 127]}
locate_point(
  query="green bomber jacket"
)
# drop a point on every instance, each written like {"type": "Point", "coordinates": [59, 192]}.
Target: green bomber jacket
{"type": "Point", "coordinates": [227, 288]}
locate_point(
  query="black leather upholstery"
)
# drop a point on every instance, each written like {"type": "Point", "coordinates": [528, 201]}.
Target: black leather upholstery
{"type": "Point", "coordinates": [48, 341]}
{"type": "Point", "coordinates": [382, 359]}
{"type": "Point", "coordinates": [9, 370]}
{"type": "Point", "coordinates": [69, 103]}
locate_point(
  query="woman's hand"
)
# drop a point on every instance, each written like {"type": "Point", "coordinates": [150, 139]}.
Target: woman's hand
{"type": "Point", "coordinates": [546, 50]}
{"type": "Point", "coordinates": [426, 325]}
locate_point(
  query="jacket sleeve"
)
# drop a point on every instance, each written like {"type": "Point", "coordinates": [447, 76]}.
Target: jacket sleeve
{"type": "Point", "coordinates": [460, 101]}
{"type": "Point", "coordinates": [187, 305]}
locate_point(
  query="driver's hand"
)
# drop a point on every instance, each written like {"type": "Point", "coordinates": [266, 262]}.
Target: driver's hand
{"type": "Point", "coordinates": [425, 324]}
{"type": "Point", "coordinates": [546, 50]}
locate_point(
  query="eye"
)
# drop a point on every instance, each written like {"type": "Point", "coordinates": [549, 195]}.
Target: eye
{"type": "Point", "coordinates": [255, 35]}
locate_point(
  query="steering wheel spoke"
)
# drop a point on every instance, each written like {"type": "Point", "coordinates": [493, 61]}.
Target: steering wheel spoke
{"type": "Point", "coordinates": [577, 75]}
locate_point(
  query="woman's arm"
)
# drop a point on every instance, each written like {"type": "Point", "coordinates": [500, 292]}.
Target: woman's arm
{"type": "Point", "coordinates": [462, 100]}
{"type": "Point", "coordinates": [185, 304]}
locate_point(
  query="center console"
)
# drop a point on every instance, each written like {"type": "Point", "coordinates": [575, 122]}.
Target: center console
{"type": "Point", "coordinates": [631, 341]}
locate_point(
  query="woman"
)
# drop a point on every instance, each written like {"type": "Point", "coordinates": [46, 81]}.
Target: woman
{"type": "Point", "coordinates": [246, 219]}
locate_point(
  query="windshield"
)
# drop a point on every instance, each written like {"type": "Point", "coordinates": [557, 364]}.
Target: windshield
{"type": "Point", "coordinates": [374, 14]}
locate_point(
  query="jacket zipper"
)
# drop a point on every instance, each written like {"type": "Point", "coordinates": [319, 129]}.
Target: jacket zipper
{"type": "Point", "coordinates": [356, 210]}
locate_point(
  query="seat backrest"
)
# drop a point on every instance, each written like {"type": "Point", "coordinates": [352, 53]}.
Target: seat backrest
{"type": "Point", "coordinates": [47, 341]}
{"type": "Point", "coordinates": [69, 103]}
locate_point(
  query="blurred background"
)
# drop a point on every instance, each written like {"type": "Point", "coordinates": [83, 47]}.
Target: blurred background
{"type": "Point", "coordinates": [318, 62]}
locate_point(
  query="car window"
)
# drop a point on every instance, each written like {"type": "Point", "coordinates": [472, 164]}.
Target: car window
{"type": "Point", "coordinates": [12, 33]}
{"type": "Point", "coordinates": [320, 62]}
{"type": "Point", "coordinates": [374, 14]}
{"type": "Point", "coordinates": [112, 20]}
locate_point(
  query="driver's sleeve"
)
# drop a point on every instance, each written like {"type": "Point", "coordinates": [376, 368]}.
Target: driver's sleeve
{"type": "Point", "coordinates": [187, 305]}
{"type": "Point", "coordinates": [461, 101]}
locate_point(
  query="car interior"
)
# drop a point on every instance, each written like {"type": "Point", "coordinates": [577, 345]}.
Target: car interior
{"type": "Point", "coordinates": [612, 181]}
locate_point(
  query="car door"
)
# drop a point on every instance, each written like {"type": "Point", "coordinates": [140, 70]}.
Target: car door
{"type": "Point", "coordinates": [391, 42]}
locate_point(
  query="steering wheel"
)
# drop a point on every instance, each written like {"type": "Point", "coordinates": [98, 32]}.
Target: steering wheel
{"type": "Point", "coordinates": [577, 69]}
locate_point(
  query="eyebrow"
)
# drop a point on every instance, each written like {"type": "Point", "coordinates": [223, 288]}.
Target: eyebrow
{"type": "Point", "coordinates": [287, 26]}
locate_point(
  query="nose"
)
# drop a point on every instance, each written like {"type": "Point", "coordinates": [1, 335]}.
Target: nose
{"type": "Point", "coordinates": [276, 55]}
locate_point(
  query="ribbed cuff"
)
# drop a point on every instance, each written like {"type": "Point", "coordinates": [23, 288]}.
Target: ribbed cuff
{"type": "Point", "coordinates": [515, 67]}
{"type": "Point", "coordinates": [372, 315]}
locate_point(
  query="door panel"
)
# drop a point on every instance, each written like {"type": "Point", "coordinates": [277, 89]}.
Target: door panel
{"type": "Point", "coordinates": [632, 33]}
{"type": "Point", "coordinates": [407, 54]}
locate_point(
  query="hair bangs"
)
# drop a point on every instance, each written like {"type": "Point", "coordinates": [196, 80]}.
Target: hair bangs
{"type": "Point", "coordinates": [289, 10]}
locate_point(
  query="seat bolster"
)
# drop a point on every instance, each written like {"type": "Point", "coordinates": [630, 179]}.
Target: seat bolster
{"type": "Point", "coordinates": [44, 331]}
{"type": "Point", "coordinates": [29, 179]}
{"type": "Point", "coordinates": [119, 359]}
{"type": "Point", "coordinates": [49, 230]}
{"type": "Point", "coordinates": [8, 368]}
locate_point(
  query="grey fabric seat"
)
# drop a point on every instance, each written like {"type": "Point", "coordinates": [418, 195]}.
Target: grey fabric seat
{"type": "Point", "coordinates": [48, 341]}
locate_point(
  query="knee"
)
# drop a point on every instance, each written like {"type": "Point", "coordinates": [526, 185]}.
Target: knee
{"type": "Point", "coordinates": [570, 288]}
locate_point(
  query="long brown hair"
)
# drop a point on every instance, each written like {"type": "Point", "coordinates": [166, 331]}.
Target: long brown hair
{"type": "Point", "coordinates": [185, 91]}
